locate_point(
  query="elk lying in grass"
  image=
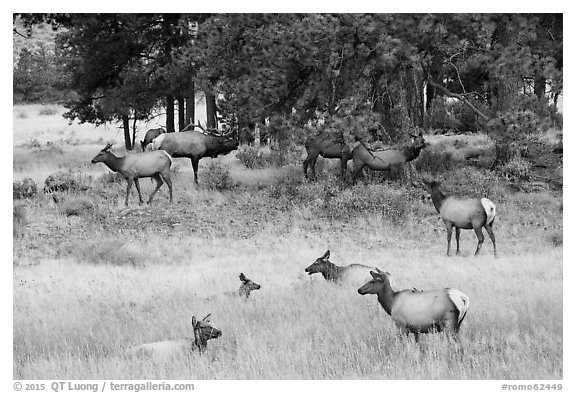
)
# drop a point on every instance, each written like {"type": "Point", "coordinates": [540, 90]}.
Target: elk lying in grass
{"type": "Point", "coordinates": [470, 213]}
{"type": "Point", "coordinates": [150, 136]}
{"type": "Point", "coordinates": [326, 146]}
{"type": "Point", "coordinates": [351, 274]}
{"type": "Point", "coordinates": [416, 311]}
{"type": "Point", "coordinates": [247, 286]}
{"type": "Point", "coordinates": [159, 350]}
{"type": "Point", "coordinates": [132, 166]}
{"type": "Point", "coordinates": [385, 160]}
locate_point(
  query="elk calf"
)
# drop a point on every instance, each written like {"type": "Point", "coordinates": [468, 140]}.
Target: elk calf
{"type": "Point", "coordinates": [132, 166]}
{"type": "Point", "coordinates": [162, 350]}
{"type": "Point", "coordinates": [350, 274]}
{"type": "Point", "coordinates": [471, 213]}
{"type": "Point", "coordinates": [416, 311]}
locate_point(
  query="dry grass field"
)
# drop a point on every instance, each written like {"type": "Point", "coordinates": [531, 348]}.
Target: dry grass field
{"type": "Point", "coordinates": [92, 278]}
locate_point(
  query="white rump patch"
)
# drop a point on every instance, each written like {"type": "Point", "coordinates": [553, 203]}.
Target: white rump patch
{"type": "Point", "coordinates": [460, 300]}
{"type": "Point", "coordinates": [169, 156]}
{"type": "Point", "coordinates": [489, 208]}
{"type": "Point", "coordinates": [156, 142]}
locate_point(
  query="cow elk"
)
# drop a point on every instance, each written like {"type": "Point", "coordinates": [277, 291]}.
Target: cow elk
{"type": "Point", "coordinates": [195, 145]}
{"type": "Point", "coordinates": [350, 274]}
{"type": "Point", "coordinates": [391, 159]}
{"type": "Point", "coordinates": [415, 311]}
{"type": "Point", "coordinates": [163, 350]}
{"type": "Point", "coordinates": [247, 286]}
{"type": "Point", "coordinates": [460, 213]}
{"type": "Point", "coordinates": [154, 164]}
{"type": "Point", "coordinates": [327, 146]}
{"type": "Point", "coordinates": [150, 136]}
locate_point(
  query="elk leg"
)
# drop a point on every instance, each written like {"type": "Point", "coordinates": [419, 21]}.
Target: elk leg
{"type": "Point", "coordinates": [492, 237]}
{"type": "Point", "coordinates": [343, 166]}
{"type": "Point", "coordinates": [195, 168]}
{"type": "Point", "coordinates": [458, 241]}
{"type": "Point", "coordinates": [305, 167]}
{"type": "Point", "coordinates": [138, 189]}
{"type": "Point", "coordinates": [356, 173]}
{"type": "Point", "coordinates": [313, 166]}
{"type": "Point", "coordinates": [129, 180]}
{"type": "Point", "coordinates": [159, 183]}
{"type": "Point", "coordinates": [166, 177]}
{"type": "Point", "coordinates": [480, 237]}
{"type": "Point", "coordinates": [448, 237]}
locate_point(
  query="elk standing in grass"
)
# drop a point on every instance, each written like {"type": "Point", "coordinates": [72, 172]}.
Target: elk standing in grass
{"type": "Point", "coordinates": [327, 146]}
{"type": "Point", "coordinates": [470, 213]}
{"type": "Point", "coordinates": [416, 311]}
{"type": "Point", "coordinates": [385, 160]}
{"type": "Point", "coordinates": [196, 145]}
{"type": "Point", "coordinates": [150, 136]}
{"type": "Point", "coordinates": [351, 274]}
{"type": "Point", "coordinates": [159, 350]}
{"type": "Point", "coordinates": [132, 166]}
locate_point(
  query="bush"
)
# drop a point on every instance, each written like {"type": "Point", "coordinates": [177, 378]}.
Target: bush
{"type": "Point", "coordinates": [48, 111]}
{"type": "Point", "coordinates": [65, 181]}
{"type": "Point", "coordinates": [25, 189]}
{"type": "Point", "coordinates": [286, 186]}
{"type": "Point", "coordinates": [107, 251]}
{"type": "Point", "coordinates": [218, 177]}
{"type": "Point", "coordinates": [516, 170]}
{"type": "Point", "coordinates": [77, 206]}
{"type": "Point", "coordinates": [18, 219]}
{"type": "Point", "coordinates": [251, 157]}
{"type": "Point", "coordinates": [391, 203]}
{"type": "Point", "coordinates": [435, 160]}
{"type": "Point", "coordinates": [111, 177]}
{"type": "Point", "coordinates": [469, 181]}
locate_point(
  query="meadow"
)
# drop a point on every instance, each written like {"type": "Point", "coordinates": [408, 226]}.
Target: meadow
{"type": "Point", "coordinates": [92, 278]}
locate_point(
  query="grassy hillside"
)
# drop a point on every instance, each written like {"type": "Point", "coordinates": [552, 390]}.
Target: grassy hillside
{"type": "Point", "coordinates": [92, 278]}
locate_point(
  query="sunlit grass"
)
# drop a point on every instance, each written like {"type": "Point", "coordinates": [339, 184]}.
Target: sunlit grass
{"type": "Point", "coordinates": [88, 287]}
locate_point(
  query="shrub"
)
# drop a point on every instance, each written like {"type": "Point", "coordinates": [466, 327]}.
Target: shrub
{"type": "Point", "coordinates": [65, 181]}
{"type": "Point", "coordinates": [218, 177]}
{"type": "Point", "coordinates": [77, 206]}
{"type": "Point", "coordinates": [251, 157]}
{"type": "Point", "coordinates": [286, 186]}
{"type": "Point", "coordinates": [516, 170]}
{"type": "Point", "coordinates": [390, 202]}
{"type": "Point", "coordinates": [22, 115]}
{"type": "Point", "coordinates": [107, 251]}
{"type": "Point", "coordinates": [556, 239]}
{"type": "Point", "coordinates": [48, 111]}
{"type": "Point", "coordinates": [470, 181]}
{"type": "Point", "coordinates": [18, 219]}
{"type": "Point", "coordinates": [25, 189]}
{"type": "Point", "coordinates": [111, 177]}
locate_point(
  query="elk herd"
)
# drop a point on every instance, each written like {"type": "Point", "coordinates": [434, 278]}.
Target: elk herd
{"type": "Point", "coordinates": [412, 310]}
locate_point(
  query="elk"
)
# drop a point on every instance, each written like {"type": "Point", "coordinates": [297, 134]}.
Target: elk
{"type": "Point", "coordinates": [247, 286]}
{"type": "Point", "coordinates": [385, 160]}
{"type": "Point", "coordinates": [154, 164]}
{"type": "Point", "coordinates": [416, 311]}
{"type": "Point", "coordinates": [469, 213]}
{"type": "Point", "coordinates": [328, 146]}
{"type": "Point", "coordinates": [150, 136]}
{"type": "Point", "coordinates": [350, 274]}
{"type": "Point", "coordinates": [195, 145]}
{"type": "Point", "coordinates": [167, 349]}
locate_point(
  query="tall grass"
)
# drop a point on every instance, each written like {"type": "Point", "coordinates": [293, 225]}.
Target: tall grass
{"type": "Point", "coordinates": [88, 286]}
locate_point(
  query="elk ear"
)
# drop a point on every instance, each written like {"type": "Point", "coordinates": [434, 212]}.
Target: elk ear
{"type": "Point", "coordinates": [207, 318]}
{"type": "Point", "coordinates": [243, 277]}
{"type": "Point", "coordinates": [194, 321]}
{"type": "Point", "coordinates": [375, 276]}
{"type": "Point", "coordinates": [326, 255]}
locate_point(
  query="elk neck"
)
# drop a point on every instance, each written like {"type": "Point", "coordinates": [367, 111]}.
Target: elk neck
{"type": "Point", "coordinates": [386, 297]}
{"type": "Point", "coordinates": [199, 342]}
{"type": "Point", "coordinates": [332, 272]}
{"type": "Point", "coordinates": [113, 162]}
{"type": "Point", "coordinates": [412, 152]}
{"type": "Point", "coordinates": [438, 198]}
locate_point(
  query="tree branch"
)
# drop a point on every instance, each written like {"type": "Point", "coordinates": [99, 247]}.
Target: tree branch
{"type": "Point", "coordinates": [460, 97]}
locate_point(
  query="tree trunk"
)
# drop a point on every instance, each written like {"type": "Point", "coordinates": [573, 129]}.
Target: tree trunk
{"type": "Point", "coordinates": [190, 105]}
{"type": "Point", "coordinates": [539, 86]}
{"type": "Point", "coordinates": [170, 114]}
{"type": "Point", "coordinates": [126, 126]}
{"type": "Point", "coordinates": [134, 133]}
{"type": "Point", "coordinates": [181, 121]}
{"type": "Point", "coordinates": [210, 110]}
